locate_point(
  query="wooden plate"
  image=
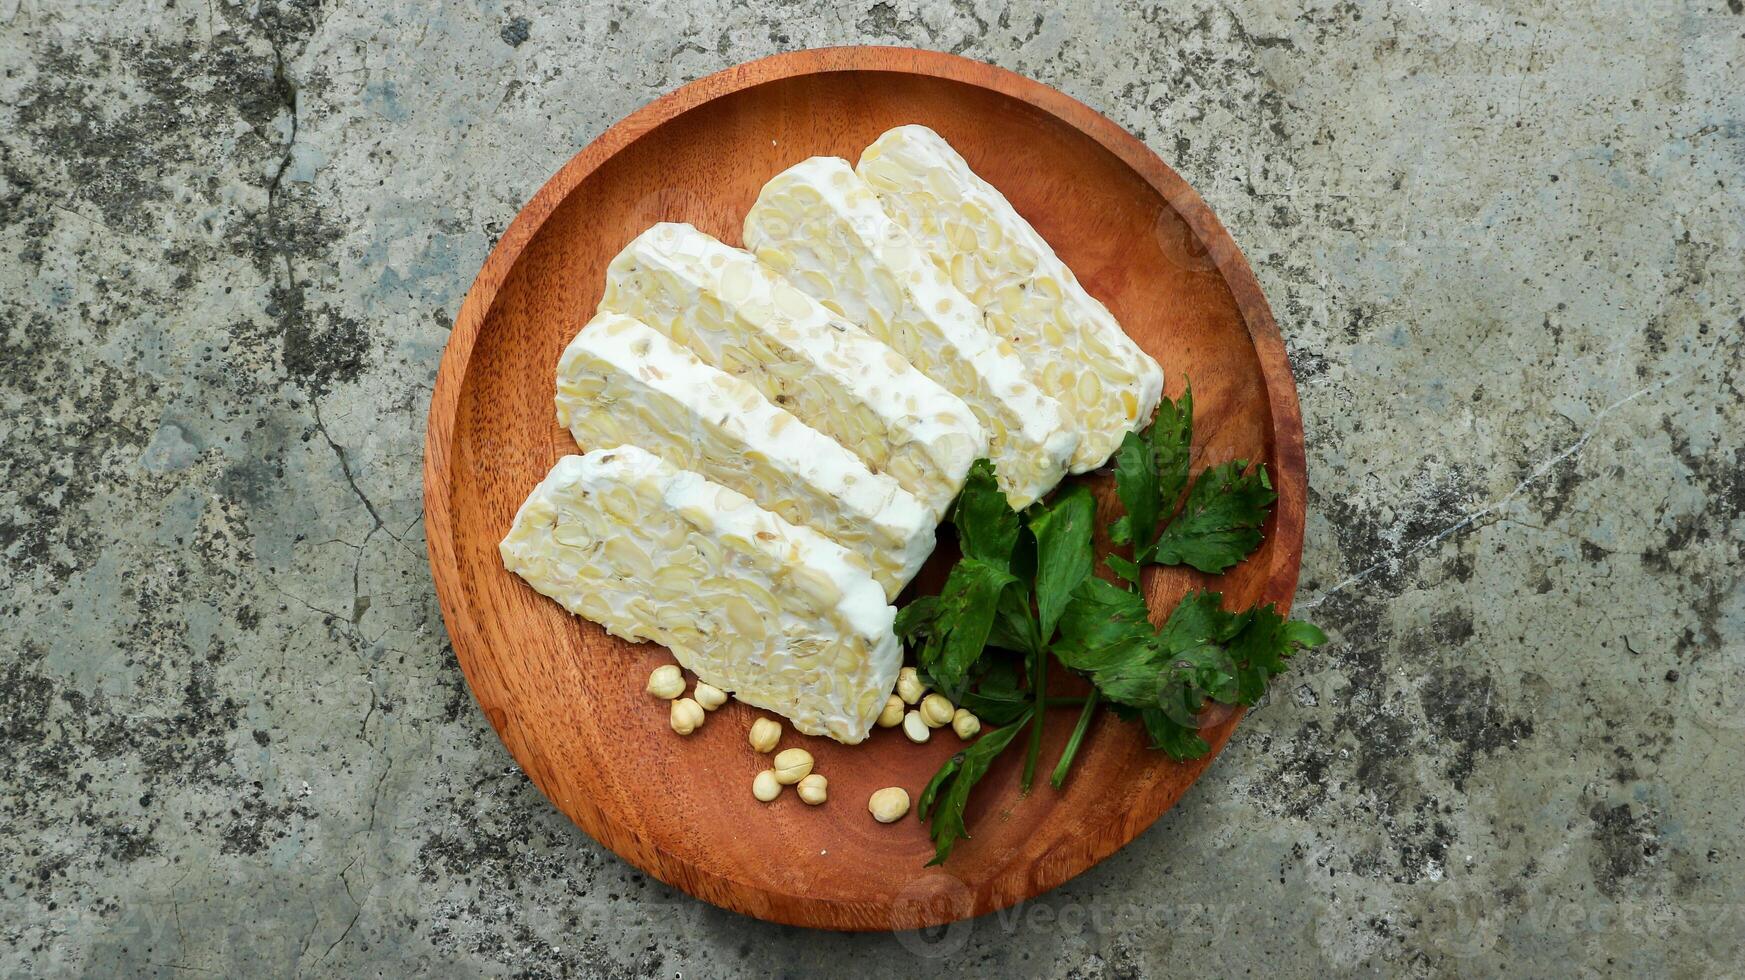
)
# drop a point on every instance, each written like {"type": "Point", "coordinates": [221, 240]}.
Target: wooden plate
{"type": "Point", "coordinates": [567, 699]}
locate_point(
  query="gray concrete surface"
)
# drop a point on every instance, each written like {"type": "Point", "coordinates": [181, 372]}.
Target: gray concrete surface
{"type": "Point", "coordinates": [1503, 240]}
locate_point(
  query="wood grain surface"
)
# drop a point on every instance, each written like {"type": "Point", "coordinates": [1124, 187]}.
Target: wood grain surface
{"type": "Point", "coordinates": [567, 699]}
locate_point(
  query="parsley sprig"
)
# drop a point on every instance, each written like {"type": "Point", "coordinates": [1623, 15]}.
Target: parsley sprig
{"type": "Point", "coordinates": [1024, 592]}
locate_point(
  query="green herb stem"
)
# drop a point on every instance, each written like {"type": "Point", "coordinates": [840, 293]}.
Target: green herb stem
{"type": "Point", "coordinates": [1078, 736]}
{"type": "Point", "coordinates": [1039, 689]}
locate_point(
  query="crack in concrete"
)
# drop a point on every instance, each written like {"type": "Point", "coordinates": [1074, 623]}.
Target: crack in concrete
{"type": "Point", "coordinates": [358, 914]}
{"type": "Point", "coordinates": [345, 468]}
{"type": "Point", "coordinates": [376, 799]}
{"type": "Point", "coordinates": [1467, 520]}
{"type": "Point", "coordinates": [303, 950]}
{"type": "Point", "coordinates": [306, 604]}
{"type": "Point", "coordinates": [286, 90]}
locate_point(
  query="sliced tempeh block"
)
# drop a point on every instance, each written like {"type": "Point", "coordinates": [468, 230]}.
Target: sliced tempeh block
{"type": "Point", "coordinates": [622, 383]}
{"type": "Point", "coordinates": [775, 613]}
{"type": "Point", "coordinates": [1075, 350]}
{"type": "Point", "coordinates": [819, 225]}
{"type": "Point", "coordinates": [743, 318]}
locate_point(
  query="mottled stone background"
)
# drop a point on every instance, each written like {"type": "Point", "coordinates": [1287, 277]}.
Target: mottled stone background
{"type": "Point", "coordinates": [1504, 242]}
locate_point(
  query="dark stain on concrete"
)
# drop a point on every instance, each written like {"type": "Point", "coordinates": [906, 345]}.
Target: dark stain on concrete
{"type": "Point", "coordinates": [516, 32]}
{"type": "Point", "coordinates": [256, 823]}
{"type": "Point", "coordinates": [59, 473]}
{"type": "Point", "coordinates": [1463, 707]}
{"type": "Point", "coordinates": [1625, 846]}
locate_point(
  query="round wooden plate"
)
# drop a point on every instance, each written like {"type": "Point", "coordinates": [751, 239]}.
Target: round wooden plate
{"type": "Point", "coordinates": [567, 699]}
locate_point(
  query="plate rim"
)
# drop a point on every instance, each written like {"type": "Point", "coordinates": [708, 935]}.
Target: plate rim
{"type": "Point", "coordinates": [1290, 476]}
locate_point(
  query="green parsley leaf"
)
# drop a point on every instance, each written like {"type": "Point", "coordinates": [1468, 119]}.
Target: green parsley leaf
{"type": "Point", "coordinates": [987, 527]}
{"type": "Point", "coordinates": [1232, 673]}
{"type": "Point", "coordinates": [1123, 569]}
{"type": "Point", "coordinates": [1106, 634]}
{"type": "Point", "coordinates": [1102, 615]}
{"type": "Point", "coordinates": [950, 788]}
{"type": "Point", "coordinates": [1135, 677]}
{"type": "Point", "coordinates": [1172, 437]}
{"type": "Point", "coordinates": [1151, 468]}
{"type": "Point", "coordinates": [1203, 671]}
{"type": "Point", "coordinates": [1136, 486]}
{"type": "Point", "coordinates": [1220, 522]}
{"type": "Point", "coordinates": [1259, 651]}
{"type": "Point", "coordinates": [1179, 742]}
{"type": "Point", "coordinates": [924, 803]}
{"type": "Point", "coordinates": [997, 699]}
{"type": "Point", "coordinates": [953, 628]}
{"type": "Point", "coordinates": [1171, 670]}
{"type": "Point", "coordinates": [1199, 619]}
{"type": "Point", "coordinates": [1063, 553]}
{"type": "Point", "coordinates": [1015, 625]}
{"type": "Point", "coordinates": [917, 617]}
